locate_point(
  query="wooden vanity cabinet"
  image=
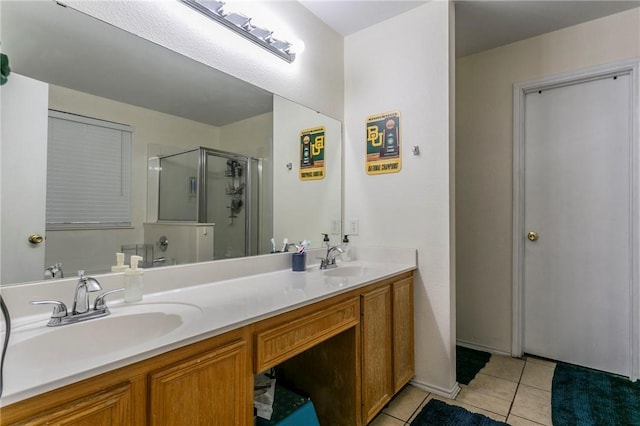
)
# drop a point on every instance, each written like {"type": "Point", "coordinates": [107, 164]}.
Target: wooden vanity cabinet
{"type": "Point", "coordinates": [208, 382]}
{"type": "Point", "coordinates": [112, 406]}
{"type": "Point", "coordinates": [377, 379]}
{"type": "Point", "coordinates": [387, 342]}
{"type": "Point", "coordinates": [207, 389]}
{"type": "Point", "coordinates": [402, 332]}
{"type": "Point", "coordinates": [351, 353]}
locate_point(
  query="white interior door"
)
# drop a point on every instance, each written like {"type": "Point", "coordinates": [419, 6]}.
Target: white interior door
{"type": "Point", "coordinates": [24, 176]}
{"type": "Point", "coordinates": [577, 199]}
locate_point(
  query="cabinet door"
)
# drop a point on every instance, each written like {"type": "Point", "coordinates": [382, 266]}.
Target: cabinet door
{"type": "Point", "coordinates": [111, 407]}
{"type": "Point", "coordinates": [403, 355]}
{"type": "Point", "coordinates": [209, 389]}
{"type": "Point", "coordinates": [377, 382]}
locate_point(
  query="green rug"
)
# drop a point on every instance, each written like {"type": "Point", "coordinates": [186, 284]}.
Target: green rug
{"type": "Point", "coordinates": [581, 396]}
{"type": "Point", "coordinates": [437, 413]}
{"type": "Point", "coordinates": [468, 363]}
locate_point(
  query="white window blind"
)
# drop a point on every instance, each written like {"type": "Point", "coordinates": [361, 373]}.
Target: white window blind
{"type": "Point", "coordinates": [88, 173]}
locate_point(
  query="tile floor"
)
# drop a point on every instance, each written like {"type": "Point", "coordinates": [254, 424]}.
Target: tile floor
{"type": "Point", "coordinates": [515, 391]}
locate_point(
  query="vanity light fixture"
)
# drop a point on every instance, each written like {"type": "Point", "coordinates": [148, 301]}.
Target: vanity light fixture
{"type": "Point", "coordinates": [242, 25]}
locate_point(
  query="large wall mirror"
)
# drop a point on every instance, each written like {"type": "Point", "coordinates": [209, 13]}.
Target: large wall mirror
{"type": "Point", "coordinates": [212, 167]}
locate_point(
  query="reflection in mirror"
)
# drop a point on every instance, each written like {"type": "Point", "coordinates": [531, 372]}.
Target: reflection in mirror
{"type": "Point", "coordinates": [65, 61]}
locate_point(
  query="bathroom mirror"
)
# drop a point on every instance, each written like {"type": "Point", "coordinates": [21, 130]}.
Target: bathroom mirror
{"type": "Point", "coordinates": [174, 105]}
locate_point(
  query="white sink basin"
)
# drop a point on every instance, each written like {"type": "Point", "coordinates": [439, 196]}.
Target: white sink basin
{"type": "Point", "coordinates": [125, 327]}
{"type": "Point", "coordinates": [347, 271]}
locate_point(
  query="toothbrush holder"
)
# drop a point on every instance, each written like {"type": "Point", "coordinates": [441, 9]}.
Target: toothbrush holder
{"type": "Point", "coordinates": [299, 261]}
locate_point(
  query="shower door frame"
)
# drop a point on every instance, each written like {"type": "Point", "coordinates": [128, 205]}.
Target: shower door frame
{"type": "Point", "coordinates": [248, 202]}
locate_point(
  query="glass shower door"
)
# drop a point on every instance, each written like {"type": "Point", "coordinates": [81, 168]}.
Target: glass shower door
{"type": "Point", "coordinates": [226, 203]}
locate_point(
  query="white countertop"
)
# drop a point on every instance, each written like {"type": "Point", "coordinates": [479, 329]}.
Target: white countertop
{"type": "Point", "coordinates": [206, 309]}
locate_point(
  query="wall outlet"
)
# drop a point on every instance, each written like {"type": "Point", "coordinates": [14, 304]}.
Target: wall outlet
{"type": "Point", "coordinates": [353, 228]}
{"type": "Point", "coordinates": [335, 227]}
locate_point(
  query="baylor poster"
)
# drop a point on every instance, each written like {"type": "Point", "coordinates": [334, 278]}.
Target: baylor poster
{"type": "Point", "coordinates": [312, 153]}
{"type": "Point", "coordinates": [383, 143]}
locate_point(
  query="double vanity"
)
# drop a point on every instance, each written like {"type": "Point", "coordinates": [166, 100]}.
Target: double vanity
{"type": "Point", "coordinates": [187, 353]}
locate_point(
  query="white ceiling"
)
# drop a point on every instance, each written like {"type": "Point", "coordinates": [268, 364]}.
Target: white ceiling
{"type": "Point", "coordinates": [351, 16]}
{"type": "Point", "coordinates": [480, 25]}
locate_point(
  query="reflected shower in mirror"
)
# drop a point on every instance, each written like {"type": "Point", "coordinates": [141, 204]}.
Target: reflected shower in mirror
{"type": "Point", "coordinates": [65, 61]}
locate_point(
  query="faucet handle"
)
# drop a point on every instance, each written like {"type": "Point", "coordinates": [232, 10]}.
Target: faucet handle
{"type": "Point", "coordinates": [100, 300]}
{"type": "Point", "coordinates": [59, 308]}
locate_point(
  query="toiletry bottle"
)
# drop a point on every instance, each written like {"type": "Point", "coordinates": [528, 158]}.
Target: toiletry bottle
{"type": "Point", "coordinates": [119, 266]}
{"type": "Point", "coordinates": [133, 281]}
{"type": "Point", "coordinates": [346, 255]}
{"type": "Point", "coordinates": [325, 241]}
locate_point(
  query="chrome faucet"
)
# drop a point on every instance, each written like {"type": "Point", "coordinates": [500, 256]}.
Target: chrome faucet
{"type": "Point", "coordinates": [329, 261]}
{"type": "Point", "coordinates": [85, 286]}
{"type": "Point", "coordinates": [82, 309]}
{"type": "Point", "coordinates": [55, 271]}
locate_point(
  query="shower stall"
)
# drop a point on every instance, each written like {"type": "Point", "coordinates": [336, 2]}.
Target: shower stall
{"type": "Point", "coordinates": [209, 186]}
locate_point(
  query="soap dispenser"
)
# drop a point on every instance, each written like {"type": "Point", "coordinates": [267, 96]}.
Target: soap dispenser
{"type": "Point", "coordinates": [119, 266]}
{"type": "Point", "coordinates": [346, 254]}
{"type": "Point", "coordinates": [325, 241]}
{"type": "Point", "coordinates": [133, 281]}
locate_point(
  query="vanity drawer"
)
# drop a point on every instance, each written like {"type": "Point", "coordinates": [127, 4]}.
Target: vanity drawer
{"type": "Point", "coordinates": [295, 335]}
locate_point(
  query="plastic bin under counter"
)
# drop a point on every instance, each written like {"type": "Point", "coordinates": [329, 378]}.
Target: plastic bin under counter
{"type": "Point", "coordinates": [290, 409]}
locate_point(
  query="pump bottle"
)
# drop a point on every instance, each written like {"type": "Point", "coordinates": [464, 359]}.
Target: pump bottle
{"type": "Point", "coordinates": [133, 281]}
{"type": "Point", "coordinates": [119, 266]}
{"type": "Point", "coordinates": [326, 243]}
{"type": "Point", "coordinates": [346, 254]}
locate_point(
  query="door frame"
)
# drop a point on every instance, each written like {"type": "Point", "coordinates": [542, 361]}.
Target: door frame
{"type": "Point", "coordinates": [632, 68]}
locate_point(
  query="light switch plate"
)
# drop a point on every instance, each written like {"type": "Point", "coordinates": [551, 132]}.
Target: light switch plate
{"type": "Point", "coordinates": [335, 227]}
{"type": "Point", "coordinates": [354, 227]}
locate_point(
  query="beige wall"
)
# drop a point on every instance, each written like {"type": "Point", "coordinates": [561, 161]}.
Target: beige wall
{"type": "Point", "coordinates": [484, 84]}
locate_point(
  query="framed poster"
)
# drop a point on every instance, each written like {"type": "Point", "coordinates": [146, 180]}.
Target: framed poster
{"type": "Point", "coordinates": [383, 143]}
{"type": "Point", "coordinates": [312, 153]}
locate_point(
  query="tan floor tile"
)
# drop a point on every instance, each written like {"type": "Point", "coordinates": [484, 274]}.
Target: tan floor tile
{"type": "Point", "coordinates": [493, 386]}
{"type": "Point", "coordinates": [537, 360]}
{"type": "Point", "coordinates": [403, 405]}
{"type": "Point", "coordinates": [532, 404]}
{"type": "Point", "coordinates": [519, 421]}
{"type": "Point", "coordinates": [467, 407]}
{"type": "Point", "coordinates": [422, 406]}
{"type": "Point", "coordinates": [538, 376]}
{"type": "Point", "coordinates": [484, 401]}
{"type": "Point", "coordinates": [385, 420]}
{"type": "Point", "coordinates": [504, 367]}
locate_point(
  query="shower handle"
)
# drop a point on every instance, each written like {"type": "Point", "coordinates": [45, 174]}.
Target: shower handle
{"type": "Point", "coordinates": [163, 243]}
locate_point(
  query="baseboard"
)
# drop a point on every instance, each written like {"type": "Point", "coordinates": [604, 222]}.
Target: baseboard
{"type": "Point", "coordinates": [481, 348]}
{"type": "Point", "coordinates": [447, 393]}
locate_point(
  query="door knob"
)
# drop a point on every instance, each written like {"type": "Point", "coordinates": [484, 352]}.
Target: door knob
{"type": "Point", "coordinates": [35, 239]}
{"type": "Point", "coordinates": [532, 236]}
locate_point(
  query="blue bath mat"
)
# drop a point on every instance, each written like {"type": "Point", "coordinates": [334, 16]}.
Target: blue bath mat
{"type": "Point", "coordinates": [437, 413]}
{"type": "Point", "coordinates": [581, 396]}
{"type": "Point", "coordinates": [468, 363]}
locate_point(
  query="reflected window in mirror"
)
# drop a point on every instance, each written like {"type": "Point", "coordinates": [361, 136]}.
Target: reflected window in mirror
{"type": "Point", "coordinates": [88, 173]}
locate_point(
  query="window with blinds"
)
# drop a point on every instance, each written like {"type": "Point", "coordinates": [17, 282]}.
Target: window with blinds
{"type": "Point", "coordinates": [88, 173]}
